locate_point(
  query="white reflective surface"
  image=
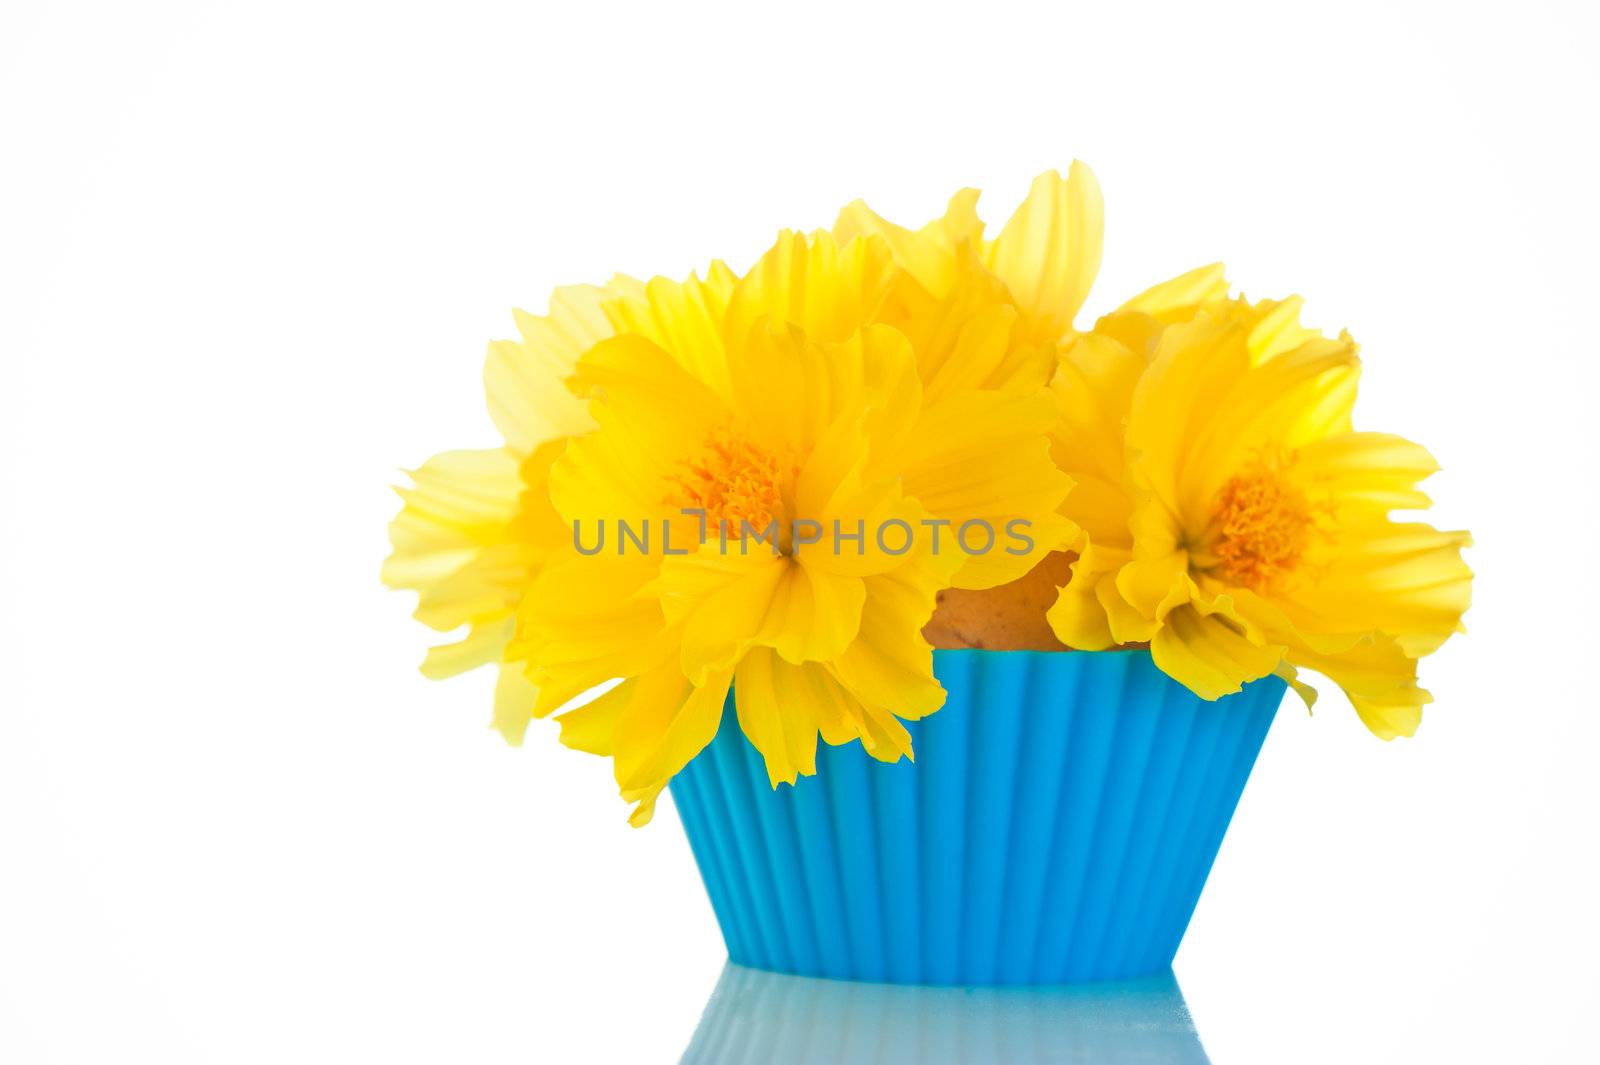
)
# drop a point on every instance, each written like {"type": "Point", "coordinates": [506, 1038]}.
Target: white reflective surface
{"type": "Point", "coordinates": [760, 1018]}
{"type": "Point", "coordinates": [250, 257]}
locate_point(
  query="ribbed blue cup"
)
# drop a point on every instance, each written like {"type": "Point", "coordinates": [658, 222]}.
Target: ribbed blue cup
{"type": "Point", "coordinates": [1057, 827]}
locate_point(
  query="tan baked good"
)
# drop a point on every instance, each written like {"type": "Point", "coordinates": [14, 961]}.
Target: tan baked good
{"type": "Point", "coordinates": [1007, 618]}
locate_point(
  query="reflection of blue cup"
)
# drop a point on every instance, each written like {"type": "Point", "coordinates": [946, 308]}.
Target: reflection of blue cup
{"type": "Point", "coordinates": [757, 1018]}
{"type": "Point", "coordinates": [1057, 826]}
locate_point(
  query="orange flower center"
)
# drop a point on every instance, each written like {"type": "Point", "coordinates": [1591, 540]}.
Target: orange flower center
{"type": "Point", "coordinates": [734, 481]}
{"type": "Point", "coordinates": [1264, 524]}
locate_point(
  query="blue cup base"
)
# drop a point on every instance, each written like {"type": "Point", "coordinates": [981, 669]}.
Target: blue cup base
{"type": "Point", "coordinates": [1057, 827]}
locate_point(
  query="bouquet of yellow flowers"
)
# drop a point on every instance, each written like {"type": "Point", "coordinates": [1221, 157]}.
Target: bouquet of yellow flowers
{"type": "Point", "coordinates": [881, 487]}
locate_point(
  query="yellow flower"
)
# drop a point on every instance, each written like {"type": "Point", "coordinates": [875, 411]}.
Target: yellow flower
{"type": "Point", "coordinates": [981, 317]}
{"type": "Point", "coordinates": [794, 408]}
{"type": "Point", "coordinates": [760, 484]}
{"type": "Point", "coordinates": [1231, 515]}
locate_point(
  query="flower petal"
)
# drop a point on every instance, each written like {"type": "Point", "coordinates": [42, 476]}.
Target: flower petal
{"type": "Point", "coordinates": [1077, 618]}
{"type": "Point", "coordinates": [590, 727]}
{"type": "Point", "coordinates": [1178, 297]}
{"type": "Point", "coordinates": [928, 254]}
{"type": "Point", "coordinates": [514, 699]}
{"type": "Point", "coordinates": [813, 614]}
{"type": "Point", "coordinates": [684, 319]}
{"type": "Point", "coordinates": [1408, 580]}
{"type": "Point", "coordinates": [585, 621]}
{"type": "Point", "coordinates": [1379, 678]}
{"type": "Point", "coordinates": [664, 723]}
{"type": "Point", "coordinates": [1209, 655]}
{"type": "Point", "coordinates": [825, 288]}
{"type": "Point", "coordinates": [482, 645]}
{"type": "Point", "coordinates": [652, 416]}
{"type": "Point", "coordinates": [1368, 470]}
{"type": "Point", "coordinates": [774, 702]}
{"type": "Point", "coordinates": [889, 666]}
{"type": "Point", "coordinates": [1049, 252]}
{"type": "Point", "coordinates": [524, 380]}
{"type": "Point", "coordinates": [720, 600]}
{"type": "Point", "coordinates": [981, 461]}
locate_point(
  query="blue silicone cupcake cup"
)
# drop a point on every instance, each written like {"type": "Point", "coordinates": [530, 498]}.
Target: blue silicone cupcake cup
{"type": "Point", "coordinates": [1057, 827]}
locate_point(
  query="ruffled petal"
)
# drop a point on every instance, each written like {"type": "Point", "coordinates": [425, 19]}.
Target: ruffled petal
{"type": "Point", "coordinates": [719, 600]}
{"type": "Point", "coordinates": [1283, 405]}
{"type": "Point", "coordinates": [1380, 680]}
{"type": "Point", "coordinates": [481, 646]}
{"type": "Point", "coordinates": [928, 254]}
{"type": "Point", "coordinates": [981, 347]}
{"type": "Point", "coordinates": [981, 462]}
{"type": "Point", "coordinates": [775, 699]}
{"type": "Point", "coordinates": [461, 504]}
{"type": "Point", "coordinates": [468, 540]}
{"type": "Point", "coordinates": [1291, 677]}
{"type": "Point", "coordinates": [1394, 715]}
{"type": "Point", "coordinates": [825, 288]}
{"type": "Point", "coordinates": [790, 391]}
{"type": "Point", "coordinates": [1371, 471]}
{"type": "Point", "coordinates": [1093, 387]}
{"type": "Point", "coordinates": [1128, 623]}
{"type": "Point", "coordinates": [1157, 579]}
{"type": "Point", "coordinates": [1077, 618]}
{"type": "Point", "coordinates": [813, 614]}
{"type": "Point", "coordinates": [1201, 412]}
{"type": "Point", "coordinates": [1176, 299]}
{"type": "Point", "coordinates": [590, 727]}
{"type": "Point", "coordinates": [576, 322]}
{"type": "Point", "coordinates": [514, 699]}
{"type": "Point", "coordinates": [862, 527]}
{"type": "Point", "coordinates": [1408, 580]}
{"type": "Point", "coordinates": [1277, 329]}
{"type": "Point", "coordinates": [889, 666]}
{"type": "Point", "coordinates": [1208, 654]}
{"type": "Point", "coordinates": [664, 722]}
{"type": "Point", "coordinates": [652, 417]}
{"type": "Point", "coordinates": [585, 621]}
{"type": "Point", "coordinates": [1049, 252]}
{"type": "Point", "coordinates": [969, 336]}
{"type": "Point", "coordinates": [644, 395]}
{"type": "Point", "coordinates": [684, 319]}
{"type": "Point", "coordinates": [524, 379]}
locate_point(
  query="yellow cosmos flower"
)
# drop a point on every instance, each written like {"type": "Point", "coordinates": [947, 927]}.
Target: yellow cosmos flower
{"type": "Point", "coordinates": [737, 441]}
{"type": "Point", "coordinates": [981, 317]}
{"type": "Point", "coordinates": [1231, 515]}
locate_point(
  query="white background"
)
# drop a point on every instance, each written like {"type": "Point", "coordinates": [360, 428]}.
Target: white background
{"type": "Point", "coordinates": [249, 260]}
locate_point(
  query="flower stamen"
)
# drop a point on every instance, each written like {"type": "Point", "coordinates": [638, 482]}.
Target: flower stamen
{"type": "Point", "coordinates": [734, 481]}
{"type": "Point", "coordinates": [1264, 525]}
